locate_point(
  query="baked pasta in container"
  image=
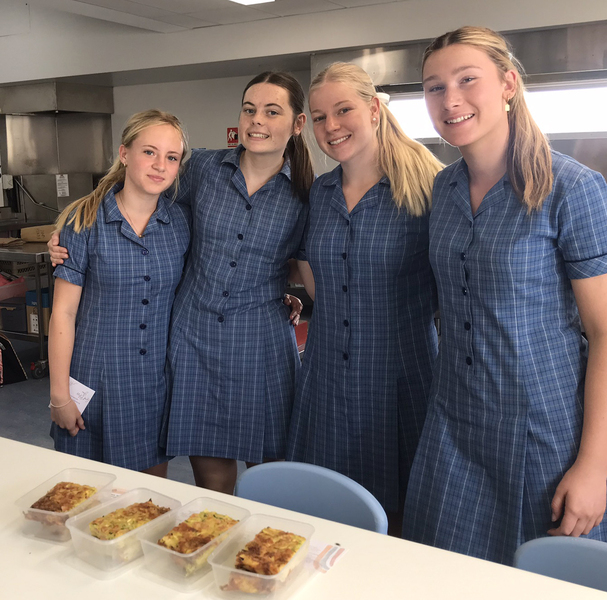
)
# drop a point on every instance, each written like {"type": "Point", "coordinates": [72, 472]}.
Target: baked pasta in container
{"type": "Point", "coordinates": [265, 558]}
{"type": "Point", "coordinates": [124, 520]}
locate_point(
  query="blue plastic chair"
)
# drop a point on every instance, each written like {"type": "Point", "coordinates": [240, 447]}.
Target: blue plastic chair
{"type": "Point", "coordinates": [315, 491]}
{"type": "Point", "coordinates": [576, 560]}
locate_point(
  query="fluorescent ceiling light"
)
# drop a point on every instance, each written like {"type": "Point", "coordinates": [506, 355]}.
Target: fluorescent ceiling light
{"type": "Point", "coordinates": [249, 2]}
{"type": "Point", "coordinates": [556, 111]}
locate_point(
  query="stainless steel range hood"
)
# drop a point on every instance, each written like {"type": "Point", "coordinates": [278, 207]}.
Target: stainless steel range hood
{"type": "Point", "coordinates": [56, 97]}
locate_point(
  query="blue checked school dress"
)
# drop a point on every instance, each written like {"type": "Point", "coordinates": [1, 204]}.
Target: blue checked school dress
{"type": "Point", "coordinates": [505, 414]}
{"type": "Point", "coordinates": [232, 356]}
{"type": "Point", "coordinates": [362, 393]}
{"type": "Point", "coordinates": [122, 330]}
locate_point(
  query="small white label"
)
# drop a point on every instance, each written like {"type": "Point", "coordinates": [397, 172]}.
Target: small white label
{"type": "Point", "coordinates": [7, 182]}
{"type": "Point", "coordinates": [63, 186]}
{"type": "Point", "coordinates": [34, 322]}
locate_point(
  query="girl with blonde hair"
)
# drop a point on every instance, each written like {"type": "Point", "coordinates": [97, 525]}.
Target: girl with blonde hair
{"type": "Point", "coordinates": [113, 297]}
{"type": "Point", "coordinates": [361, 398]}
{"type": "Point", "coordinates": [515, 441]}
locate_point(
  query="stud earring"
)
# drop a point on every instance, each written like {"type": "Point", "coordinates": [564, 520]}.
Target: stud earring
{"type": "Point", "coordinates": [507, 107]}
{"type": "Point", "coordinates": [374, 119]}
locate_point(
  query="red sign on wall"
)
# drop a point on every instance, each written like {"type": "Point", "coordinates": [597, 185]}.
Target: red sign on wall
{"type": "Point", "coordinates": [232, 137]}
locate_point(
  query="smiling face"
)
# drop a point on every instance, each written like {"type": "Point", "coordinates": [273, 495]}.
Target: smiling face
{"type": "Point", "coordinates": [152, 160]}
{"type": "Point", "coordinates": [267, 120]}
{"type": "Point", "coordinates": [344, 124]}
{"type": "Point", "coordinates": [466, 96]}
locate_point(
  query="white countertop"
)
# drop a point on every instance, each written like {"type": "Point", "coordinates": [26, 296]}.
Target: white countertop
{"type": "Point", "coordinates": [374, 566]}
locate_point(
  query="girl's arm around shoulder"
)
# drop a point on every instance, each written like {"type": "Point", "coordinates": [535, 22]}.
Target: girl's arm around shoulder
{"type": "Point", "coordinates": [580, 498]}
{"type": "Point", "coordinates": [62, 331]}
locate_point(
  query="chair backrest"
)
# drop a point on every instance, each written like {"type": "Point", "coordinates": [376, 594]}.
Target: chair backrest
{"type": "Point", "coordinates": [315, 491]}
{"type": "Point", "coordinates": [577, 560]}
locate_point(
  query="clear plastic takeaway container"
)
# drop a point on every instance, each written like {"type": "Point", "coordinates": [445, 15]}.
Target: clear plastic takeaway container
{"type": "Point", "coordinates": [50, 525]}
{"type": "Point", "coordinates": [109, 555]}
{"type": "Point", "coordinates": [270, 587]}
{"type": "Point", "coordinates": [184, 571]}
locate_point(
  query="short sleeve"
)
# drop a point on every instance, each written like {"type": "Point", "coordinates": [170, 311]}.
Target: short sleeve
{"type": "Point", "coordinates": [583, 226]}
{"type": "Point", "coordinates": [74, 268]}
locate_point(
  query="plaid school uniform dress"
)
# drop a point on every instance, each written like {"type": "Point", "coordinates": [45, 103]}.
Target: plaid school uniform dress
{"type": "Point", "coordinates": [506, 408]}
{"type": "Point", "coordinates": [232, 356]}
{"type": "Point", "coordinates": [362, 393]}
{"type": "Point", "coordinates": [122, 329]}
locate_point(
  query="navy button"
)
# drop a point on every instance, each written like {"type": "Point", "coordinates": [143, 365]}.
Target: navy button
{"type": "Point", "coordinates": [464, 291]}
{"type": "Point", "coordinates": [142, 351]}
{"type": "Point", "coordinates": [145, 252]}
{"type": "Point", "coordinates": [233, 263]}
{"type": "Point", "coordinates": [346, 322]}
{"type": "Point", "coordinates": [468, 360]}
{"type": "Point", "coordinates": [463, 256]}
{"type": "Point", "coordinates": [249, 207]}
{"type": "Point", "coordinates": [467, 326]}
{"type": "Point", "coordinates": [344, 288]}
{"type": "Point", "coordinates": [221, 319]}
{"type": "Point", "coordinates": [145, 301]}
{"type": "Point", "coordinates": [346, 356]}
{"type": "Point", "coordinates": [146, 278]}
{"type": "Point", "coordinates": [344, 255]}
{"type": "Point", "coordinates": [226, 293]}
{"type": "Point", "coordinates": [142, 326]}
{"type": "Point", "coordinates": [240, 236]}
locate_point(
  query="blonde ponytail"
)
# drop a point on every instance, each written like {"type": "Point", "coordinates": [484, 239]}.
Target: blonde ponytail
{"type": "Point", "coordinates": [409, 165]}
{"type": "Point", "coordinates": [82, 213]}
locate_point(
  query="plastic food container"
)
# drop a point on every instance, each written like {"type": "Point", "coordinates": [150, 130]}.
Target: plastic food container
{"type": "Point", "coordinates": [108, 555]}
{"type": "Point", "coordinates": [270, 586]}
{"type": "Point", "coordinates": [50, 525]}
{"type": "Point", "coordinates": [184, 571]}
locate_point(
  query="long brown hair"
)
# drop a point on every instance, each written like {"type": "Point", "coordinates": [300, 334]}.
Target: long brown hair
{"type": "Point", "coordinates": [529, 160]}
{"type": "Point", "coordinates": [83, 212]}
{"type": "Point", "coordinates": [297, 151]}
{"type": "Point", "coordinates": [410, 166]}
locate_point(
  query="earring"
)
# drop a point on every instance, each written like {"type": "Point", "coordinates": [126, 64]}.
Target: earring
{"type": "Point", "coordinates": [507, 107]}
{"type": "Point", "coordinates": [374, 119]}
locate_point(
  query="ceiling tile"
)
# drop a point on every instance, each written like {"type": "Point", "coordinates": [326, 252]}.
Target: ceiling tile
{"type": "Point", "coordinates": [284, 8]}
{"type": "Point", "coordinates": [229, 12]}
{"type": "Point", "coordinates": [355, 3]}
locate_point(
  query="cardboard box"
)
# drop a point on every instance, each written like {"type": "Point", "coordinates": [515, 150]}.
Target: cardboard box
{"type": "Point", "coordinates": [41, 233]}
{"type": "Point", "coordinates": [21, 268]}
{"type": "Point", "coordinates": [31, 309]}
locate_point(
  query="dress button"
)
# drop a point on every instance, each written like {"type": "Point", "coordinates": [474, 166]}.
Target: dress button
{"type": "Point", "coordinates": [146, 278]}
{"type": "Point", "coordinates": [142, 326]}
{"type": "Point", "coordinates": [468, 360]}
{"type": "Point", "coordinates": [226, 293]}
{"type": "Point", "coordinates": [240, 236]}
{"type": "Point", "coordinates": [346, 356]}
{"type": "Point", "coordinates": [233, 263]}
{"type": "Point", "coordinates": [344, 288]}
{"type": "Point", "coordinates": [463, 256]}
{"type": "Point", "coordinates": [346, 322]}
{"type": "Point", "coordinates": [248, 207]}
{"type": "Point", "coordinates": [145, 301]}
{"type": "Point", "coordinates": [145, 252]}
{"type": "Point", "coordinates": [221, 319]}
{"type": "Point", "coordinates": [344, 255]}
{"type": "Point", "coordinates": [143, 351]}
{"type": "Point", "coordinates": [464, 291]}
{"type": "Point", "coordinates": [467, 326]}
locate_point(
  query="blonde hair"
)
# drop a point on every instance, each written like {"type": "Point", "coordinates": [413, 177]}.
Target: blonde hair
{"type": "Point", "coordinates": [410, 166]}
{"type": "Point", "coordinates": [529, 160]}
{"type": "Point", "coordinates": [83, 212]}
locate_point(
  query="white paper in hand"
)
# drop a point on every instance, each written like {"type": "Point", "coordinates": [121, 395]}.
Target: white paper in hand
{"type": "Point", "coordinates": [80, 394]}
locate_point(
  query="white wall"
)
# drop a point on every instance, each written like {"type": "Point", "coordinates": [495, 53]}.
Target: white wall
{"type": "Point", "coordinates": [206, 108]}
{"type": "Point", "coordinates": [59, 45]}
